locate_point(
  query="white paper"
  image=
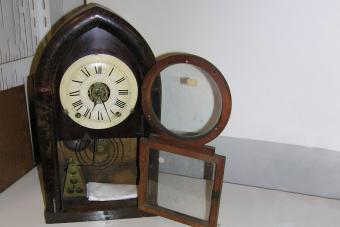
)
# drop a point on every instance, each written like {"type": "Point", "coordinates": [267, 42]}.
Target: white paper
{"type": "Point", "coordinates": [108, 192]}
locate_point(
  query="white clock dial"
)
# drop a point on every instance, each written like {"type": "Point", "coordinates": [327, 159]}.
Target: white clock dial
{"type": "Point", "coordinates": [98, 91]}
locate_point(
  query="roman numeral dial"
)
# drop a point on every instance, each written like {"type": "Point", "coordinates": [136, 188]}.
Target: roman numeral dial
{"type": "Point", "coordinates": [77, 103]}
{"type": "Point", "coordinates": [98, 91]}
{"type": "Point", "coordinates": [75, 93]}
{"type": "Point", "coordinates": [120, 103]}
{"type": "Point", "coordinates": [123, 92]}
{"type": "Point", "coordinates": [87, 113]}
{"type": "Point", "coordinates": [98, 69]}
{"type": "Point", "coordinates": [85, 72]}
{"type": "Point", "coordinates": [120, 80]}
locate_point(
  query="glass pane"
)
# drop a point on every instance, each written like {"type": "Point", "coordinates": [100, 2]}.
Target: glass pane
{"type": "Point", "coordinates": [191, 102]}
{"type": "Point", "coordinates": [183, 184]}
{"type": "Point", "coordinates": [95, 170]}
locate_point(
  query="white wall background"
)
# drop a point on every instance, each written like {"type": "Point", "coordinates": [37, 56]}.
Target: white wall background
{"type": "Point", "coordinates": [280, 58]}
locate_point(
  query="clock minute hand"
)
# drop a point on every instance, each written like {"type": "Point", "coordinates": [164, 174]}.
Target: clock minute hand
{"type": "Point", "coordinates": [105, 109]}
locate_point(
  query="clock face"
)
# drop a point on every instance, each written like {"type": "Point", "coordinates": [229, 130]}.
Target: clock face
{"type": "Point", "coordinates": [98, 91]}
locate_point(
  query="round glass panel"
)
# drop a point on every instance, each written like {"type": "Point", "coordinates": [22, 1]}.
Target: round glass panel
{"type": "Point", "coordinates": [191, 103]}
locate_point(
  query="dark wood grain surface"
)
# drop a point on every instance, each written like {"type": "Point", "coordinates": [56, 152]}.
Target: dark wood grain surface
{"type": "Point", "coordinates": [16, 157]}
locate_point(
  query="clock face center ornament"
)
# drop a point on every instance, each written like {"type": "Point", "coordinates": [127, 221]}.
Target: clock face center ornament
{"type": "Point", "coordinates": [99, 92]}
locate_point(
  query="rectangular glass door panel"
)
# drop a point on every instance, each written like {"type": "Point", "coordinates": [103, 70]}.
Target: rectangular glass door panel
{"type": "Point", "coordinates": [180, 183]}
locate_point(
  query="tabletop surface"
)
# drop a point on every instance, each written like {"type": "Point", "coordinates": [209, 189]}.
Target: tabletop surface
{"type": "Point", "coordinates": [22, 205]}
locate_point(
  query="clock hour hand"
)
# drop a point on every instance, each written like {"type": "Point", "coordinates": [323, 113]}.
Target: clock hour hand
{"type": "Point", "coordinates": [94, 105]}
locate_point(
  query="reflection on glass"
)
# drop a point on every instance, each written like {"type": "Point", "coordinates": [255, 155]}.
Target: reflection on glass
{"type": "Point", "coordinates": [184, 184]}
{"type": "Point", "coordinates": [191, 102]}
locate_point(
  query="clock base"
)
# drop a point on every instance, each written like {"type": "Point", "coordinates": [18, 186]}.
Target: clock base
{"type": "Point", "coordinates": [76, 216]}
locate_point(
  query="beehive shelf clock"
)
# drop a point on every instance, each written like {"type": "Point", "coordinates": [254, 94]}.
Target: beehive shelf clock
{"type": "Point", "coordinates": [97, 100]}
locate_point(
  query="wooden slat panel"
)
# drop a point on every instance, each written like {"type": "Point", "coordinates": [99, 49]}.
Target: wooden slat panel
{"type": "Point", "coordinates": [23, 23]}
{"type": "Point", "coordinates": [13, 74]}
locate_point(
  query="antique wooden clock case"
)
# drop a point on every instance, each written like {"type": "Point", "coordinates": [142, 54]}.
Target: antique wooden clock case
{"type": "Point", "coordinates": [76, 147]}
{"type": "Point", "coordinates": [92, 31]}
